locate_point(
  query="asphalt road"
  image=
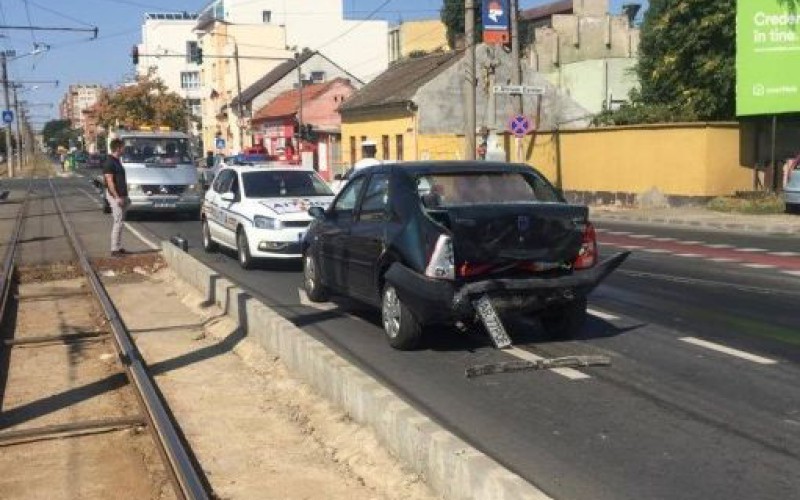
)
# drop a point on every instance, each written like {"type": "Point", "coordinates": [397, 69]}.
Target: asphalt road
{"type": "Point", "coordinates": [672, 417]}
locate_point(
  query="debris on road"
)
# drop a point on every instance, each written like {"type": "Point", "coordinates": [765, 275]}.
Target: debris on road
{"type": "Point", "coordinates": [539, 364]}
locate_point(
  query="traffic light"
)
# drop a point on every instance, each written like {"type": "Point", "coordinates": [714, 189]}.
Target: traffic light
{"type": "Point", "coordinates": [308, 133]}
{"type": "Point", "coordinates": [135, 55]}
{"type": "Point", "coordinates": [198, 55]}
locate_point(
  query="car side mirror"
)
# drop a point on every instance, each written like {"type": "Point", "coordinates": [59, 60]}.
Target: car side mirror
{"type": "Point", "coordinates": [228, 196]}
{"type": "Point", "coordinates": [317, 212]}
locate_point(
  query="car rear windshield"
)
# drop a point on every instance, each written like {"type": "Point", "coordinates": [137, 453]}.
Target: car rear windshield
{"type": "Point", "coordinates": [159, 150]}
{"type": "Point", "coordinates": [283, 184]}
{"type": "Point", "coordinates": [442, 190]}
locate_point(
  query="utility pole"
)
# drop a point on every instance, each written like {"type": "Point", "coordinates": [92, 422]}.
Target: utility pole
{"type": "Point", "coordinates": [6, 103]}
{"type": "Point", "coordinates": [239, 95]}
{"type": "Point", "coordinates": [300, 98]}
{"type": "Point", "coordinates": [17, 118]}
{"type": "Point", "coordinates": [516, 70]}
{"type": "Point", "coordinates": [469, 101]}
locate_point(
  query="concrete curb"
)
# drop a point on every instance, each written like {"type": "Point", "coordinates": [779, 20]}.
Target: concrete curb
{"type": "Point", "coordinates": [453, 469]}
{"type": "Point", "coordinates": [783, 229]}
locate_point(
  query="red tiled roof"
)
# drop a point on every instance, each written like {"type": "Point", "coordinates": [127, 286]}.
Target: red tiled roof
{"type": "Point", "coordinates": [288, 103]}
{"type": "Point", "coordinates": [547, 10]}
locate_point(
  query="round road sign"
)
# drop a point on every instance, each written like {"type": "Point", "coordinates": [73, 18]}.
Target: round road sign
{"type": "Point", "coordinates": [519, 125]}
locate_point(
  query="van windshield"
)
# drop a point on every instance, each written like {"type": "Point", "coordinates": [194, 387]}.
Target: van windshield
{"type": "Point", "coordinates": [158, 150]}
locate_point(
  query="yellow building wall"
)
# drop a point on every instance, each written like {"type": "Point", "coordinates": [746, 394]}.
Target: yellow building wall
{"type": "Point", "coordinates": [425, 35]}
{"type": "Point", "coordinates": [374, 127]}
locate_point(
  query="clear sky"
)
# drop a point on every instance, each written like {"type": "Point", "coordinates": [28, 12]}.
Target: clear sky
{"type": "Point", "coordinates": [74, 57]}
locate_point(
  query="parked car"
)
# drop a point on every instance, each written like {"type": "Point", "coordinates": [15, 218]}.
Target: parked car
{"type": "Point", "coordinates": [261, 211]}
{"type": "Point", "coordinates": [424, 241]}
{"type": "Point", "coordinates": [791, 193]}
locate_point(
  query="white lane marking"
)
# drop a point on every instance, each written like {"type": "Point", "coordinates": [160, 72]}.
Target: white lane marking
{"type": "Point", "coordinates": [750, 250]}
{"type": "Point", "coordinates": [631, 247]}
{"type": "Point", "coordinates": [719, 245]}
{"type": "Point", "coordinates": [619, 233]}
{"type": "Point", "coordinates": [664, 239]}
{"type": "Point", "coordinates": [760, 266]}
{"type": "Point", "coordinates": [320, 306]}
{"type": "Point", "coordinates": [147, 241]}
{"type": "Point", "coordinates": [656, 250]}
{"type": "Point", "coordinates": [792, 273]}
{"type": "Point", "coordinates": [728, 350]}
{"type": "Point", "coordinates": [723, 259]}
{"type": "Point", "coordinates": [602, 315]}
{"type": "Point", "coordinates": [784, 254]}
{"type": "Point", "coordinates": [641, 236]}
{"type": "Point", "coordinates": [689, 255]}
{"type": "Point", "coordinates": [690, 243]}
{"type": "Point", "coordinates": [524, 355]}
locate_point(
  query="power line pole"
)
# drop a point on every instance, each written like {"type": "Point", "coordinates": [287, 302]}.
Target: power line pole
{"type": "Point", "coordinates": [516, 69]}
{"type": "Point", "coordinates": [239, 96]}
{"type": "Point", "coordinates": [17, 118]}
{"type": "Point", "coordinates": [6, 102]}
{"type": "Point", "coordinates": [469, 96]}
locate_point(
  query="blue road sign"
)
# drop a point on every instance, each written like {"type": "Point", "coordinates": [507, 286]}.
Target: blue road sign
{"type": "Point", "coordinates": [8, 116]}
{"type": "Point", "coordinates": [219, 143]}
{"type": "Point", "coordinates": [519, 125]}
{"type": "Point", "coordinates": [496, 15]}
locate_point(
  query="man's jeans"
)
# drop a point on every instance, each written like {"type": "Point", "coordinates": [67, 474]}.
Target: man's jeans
{"type": "Point", "coordinates": [118, 213]}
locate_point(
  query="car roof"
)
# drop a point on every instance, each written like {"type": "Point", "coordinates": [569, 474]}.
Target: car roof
{"type": "Point", "coordinates": [260, 167]}
{"type": "Point", "coordinates": [449, 167]}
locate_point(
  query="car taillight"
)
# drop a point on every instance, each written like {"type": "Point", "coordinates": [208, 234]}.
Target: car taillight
{"type": "Point", "coordinates": [587, 257]}
{"type": "Point", "coordinates": [469, 269]}
{"type": "Point", "coordinates": [440, 265]}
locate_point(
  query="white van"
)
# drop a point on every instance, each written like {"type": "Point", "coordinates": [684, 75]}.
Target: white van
{"type": "Point", "coordinates": [161, 173]}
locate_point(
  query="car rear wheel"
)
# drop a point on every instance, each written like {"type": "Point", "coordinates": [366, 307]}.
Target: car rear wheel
{"type": "Point", "coordinates": [209, 245]}
{"type": "Point", "coordinates": [401, 327]}
{"type": "Point", "coordinates": [792, 208]}
{"type": "Point", "coordinates": [243, 250]}
{"type": "Point", "coordinates": [315, 291]}
{"type": "Point", "coordinates": [565, 320]}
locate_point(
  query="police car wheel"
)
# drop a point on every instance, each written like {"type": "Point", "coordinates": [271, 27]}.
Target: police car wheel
{"type": "Point", "coordinates": [209, 245]}
{"type": "Point", "coordinates": [243, 250]}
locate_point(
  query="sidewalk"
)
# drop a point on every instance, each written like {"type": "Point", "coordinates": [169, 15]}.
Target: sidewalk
{"type": "Point", "coordinates": [699, 217]}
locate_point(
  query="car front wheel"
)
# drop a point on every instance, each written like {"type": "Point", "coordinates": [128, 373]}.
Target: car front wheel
{"type": "Point", "coordinates": [401, 327]}
{"type": "Point", "coordinates": [565, 320]}
{"type": "Point", "coordinates": [243, 250]}
{"type": "Point", "coordinates": [315, 291]}
{"type": "Point", "coordinates": [209, 245]}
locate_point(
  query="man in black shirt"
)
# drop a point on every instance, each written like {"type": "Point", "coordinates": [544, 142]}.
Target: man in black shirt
{"type": "Point", "coordinates": [116, 194]}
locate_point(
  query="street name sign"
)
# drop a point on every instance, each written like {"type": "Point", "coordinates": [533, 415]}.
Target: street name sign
{"type": "Point", "coordinates": [518, 90]}
{"type": "Point", "coordinates": [767, 57]}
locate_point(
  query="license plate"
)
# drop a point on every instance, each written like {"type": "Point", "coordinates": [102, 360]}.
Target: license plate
{"type": "Point", "coordinates": [491, 321]}
{"type": "Point", "coordinates": [164, 203]}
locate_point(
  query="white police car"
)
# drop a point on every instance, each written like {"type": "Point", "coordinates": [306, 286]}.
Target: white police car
{"type": "Point", "coordinates": [261, 211]}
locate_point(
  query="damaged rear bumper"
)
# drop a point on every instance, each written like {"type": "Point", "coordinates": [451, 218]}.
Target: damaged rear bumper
{"type": "Point", "coordinates": [439, 301]}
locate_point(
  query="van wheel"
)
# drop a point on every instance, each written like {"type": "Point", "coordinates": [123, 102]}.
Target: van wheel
{"type": "Point", "coordinates": [402, 329]}
{"type": "Point", "coordinates": [315, 291]}
{"type": "Point", "coordinates": [243, 250]}
{"type": "Point", "coordinates": [565, 320]}
{"type": "Point", "coordinates": [209, 245]}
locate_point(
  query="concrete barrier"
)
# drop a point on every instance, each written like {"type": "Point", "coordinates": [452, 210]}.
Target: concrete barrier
{"type": "Point", "coordinates": [453, 469]}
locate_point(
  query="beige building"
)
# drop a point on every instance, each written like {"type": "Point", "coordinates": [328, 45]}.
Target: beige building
{"type": "Point", "coordinates": [584, 51]}
{"type": "Point", "coordinates": [79, 98]}
{"type": "Point", "coordinates": [234, 57]}
{"type": "Point", "coordinates": [410, 37]}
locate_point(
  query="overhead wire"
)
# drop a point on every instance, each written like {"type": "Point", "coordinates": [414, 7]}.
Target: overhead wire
{"type": "Point", "coordinates": [372, 14]}
{"type": "Point", "coordinates": [30, 21]}
{"type": "Point", "coordinates": [61, 14]}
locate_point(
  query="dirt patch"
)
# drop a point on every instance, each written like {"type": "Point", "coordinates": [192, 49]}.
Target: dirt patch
{"type": "Point", "coordinates": [257, 432]}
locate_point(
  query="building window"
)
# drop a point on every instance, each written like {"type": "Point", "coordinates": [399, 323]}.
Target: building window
{"type": "Point", "coordinates": [385, 147]}
{"type": "Point", "coordinates": [191, 51]}
{"type": "Point", "coordinates": [266, 16]}
{"type": "Point", "coordinates": [317, 76]}
{"type": "Point", "coordinates": [352, 149]}
{"type": "Point", "coordinates": [398, 139]}
{"type": "Point", "coordinates": [194, 106]}
{"type": "Point", "coordinates": [190, 80]}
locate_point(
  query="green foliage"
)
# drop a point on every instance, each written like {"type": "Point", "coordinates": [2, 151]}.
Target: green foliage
{"type": "Point", "coordinates": [146, 103]}
{"type": "Point", "coordinates": [687, 58]}
{"type": "Point", "coordinates": [452, 15]}
{"type": "Point", "coordinates": [770, 204]}
{"type": "Point", "coordinates": [59, 133]}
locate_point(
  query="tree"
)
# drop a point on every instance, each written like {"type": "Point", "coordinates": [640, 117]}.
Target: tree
{"type": "Point", "coordinates": [687, 58]}
{"type": "Point", "coordinates": [145, 103]}
{"type": "Point", "coordinates": [453, 17]}
{"type": "Point", "coordinates": [59, 133]}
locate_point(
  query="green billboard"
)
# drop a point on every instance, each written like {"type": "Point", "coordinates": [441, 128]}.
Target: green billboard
{"type": "Point", "coordinates": [767, 57]}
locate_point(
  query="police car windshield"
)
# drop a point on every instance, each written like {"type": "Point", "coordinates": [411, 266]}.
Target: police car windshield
{"type": "Point", "coordinates": [162, 150]}
{"type": "Point", "coordinates": [283, 184]}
